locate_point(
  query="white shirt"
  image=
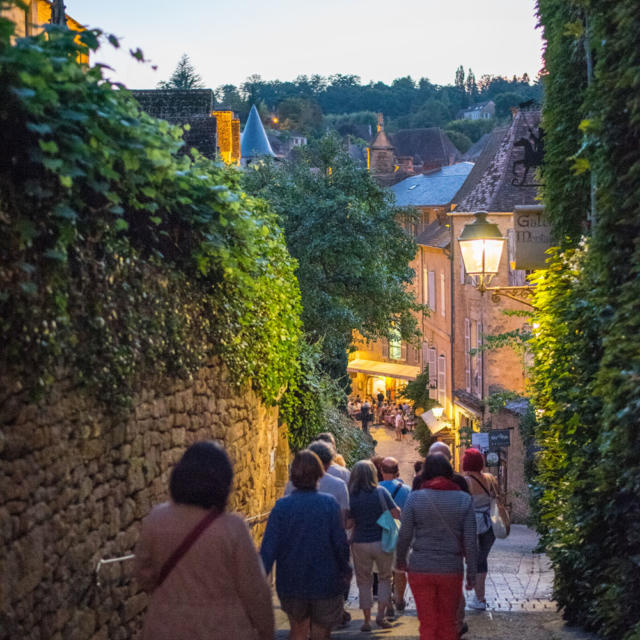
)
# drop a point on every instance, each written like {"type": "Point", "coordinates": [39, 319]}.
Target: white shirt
{"type": "Point", "coordinates": [331, 485]}
{"type": "Point", "coordinates": [339, 472]}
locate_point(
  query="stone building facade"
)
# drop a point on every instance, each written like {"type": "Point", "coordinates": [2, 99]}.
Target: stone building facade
{"type": "Point", "coordinates": [75, 482]}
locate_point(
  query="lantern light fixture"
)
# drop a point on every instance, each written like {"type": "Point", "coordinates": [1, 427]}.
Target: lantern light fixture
{"type": "Point", "coordinates": [481, 244]}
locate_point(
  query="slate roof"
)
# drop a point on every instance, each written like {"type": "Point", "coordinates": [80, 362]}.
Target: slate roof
{"type": "Point", "coordinates": [254, 142]}
{"type": "Point", "coordinates": [429, 146]}
{"type": "Point", "coordinates": [475, 150]}
{"type": "Point", "coordinates": [490, 185]}
{"type": "Point", "coordinates": [431, 189]}
{"type": "Point", "coordinates": [381, 141]}
{"type": "Point", "coordinates": [435, 235]}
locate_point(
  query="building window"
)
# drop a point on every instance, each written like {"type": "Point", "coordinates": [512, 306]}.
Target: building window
{"type": "Point", "coordinates": [432, 290]}
{"type": "Point", "coordinates": [442, 295]}
{"type": "Point", "coordinates": [395, 346]}
{"type": "Point", "coordinates": [467, 354]}
{"type": "Point", "coordinates": [442, 381]}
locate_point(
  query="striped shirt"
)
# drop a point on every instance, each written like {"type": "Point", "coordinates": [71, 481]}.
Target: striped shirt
{"type": "Point", "coordinates": [440, 528]}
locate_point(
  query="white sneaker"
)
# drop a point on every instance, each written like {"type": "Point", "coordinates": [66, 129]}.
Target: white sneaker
{"type": "Point", "coordinates": [474, 603]}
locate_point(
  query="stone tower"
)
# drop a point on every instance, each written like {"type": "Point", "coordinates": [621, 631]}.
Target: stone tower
{"type": "Point", "coordinates": [382, 152]}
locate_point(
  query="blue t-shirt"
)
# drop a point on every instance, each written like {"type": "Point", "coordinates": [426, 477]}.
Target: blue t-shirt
{"type": "Point", "coordinates": [365, 508]}
{"type": "Point", "coordinates": [402, 493]}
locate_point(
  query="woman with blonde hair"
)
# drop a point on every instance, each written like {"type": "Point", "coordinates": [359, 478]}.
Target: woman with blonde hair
{"type": "Point", "coordinates": [367, 502]}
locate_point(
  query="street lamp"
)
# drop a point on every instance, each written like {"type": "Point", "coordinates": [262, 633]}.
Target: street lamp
{"type": "Point", "coordinates": [437, 412]}
{"type": "Point", "coordinates": [481, 245]}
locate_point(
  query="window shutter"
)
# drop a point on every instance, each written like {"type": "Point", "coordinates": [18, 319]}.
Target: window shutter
{"type": "Point", "coordinates": [432, 290]}
{"type": "Point", "coordinates": [442, 381]}
{"type": "Point", "coordinates": [442, 295]}
{"type": "Point", "coordinates": [425, 287]}
{"type": "Point", "coordinates": [467, 354]}
{"type": "Point", "coordinates": [462, 273]}
{"type": "Point", "coordinates": [433, 374]}
{"type": "Point", "coordinates": [385, 348]}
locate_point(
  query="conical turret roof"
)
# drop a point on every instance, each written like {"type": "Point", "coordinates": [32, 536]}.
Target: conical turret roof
{"type": "Point", "coordinates": [254, 142]}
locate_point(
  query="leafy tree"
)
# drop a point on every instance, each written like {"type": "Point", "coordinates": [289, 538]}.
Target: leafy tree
{"type": "Point", "coordinates": [471, 86]}
{"type": "Point", "coordinates": [418, 392]}
{"type": "Point", "coordinates": [353, 256]}
{"type": "Point", "coordinates": [587, 344]}
{"type": "Point", "coordinates": [504, 102]}
{"type": "Point", "coordinates": [120, 257]}
{"type": "Point", "coordinates": [183, 77]}
{"type": "Point", "coordinates": [473, 129]}
{"type": "Point", "coordinates": [300, 114]}
{"type": "Point", "coordinates": [461, 142]}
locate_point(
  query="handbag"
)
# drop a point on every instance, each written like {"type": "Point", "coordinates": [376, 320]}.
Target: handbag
{"type": "Point", "coordinates": [498, 514]}
{"type": "Point", "coordinates": [389, 526]}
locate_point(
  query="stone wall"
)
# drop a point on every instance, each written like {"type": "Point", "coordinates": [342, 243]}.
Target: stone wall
{"type": "Point", "coordinates": [75, 482]}
{"type": "Point", "coordinates": [180, 107]}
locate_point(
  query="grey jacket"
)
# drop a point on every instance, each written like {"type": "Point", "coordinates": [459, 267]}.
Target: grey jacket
{"type": "Point", "coordinates": [440, 528]}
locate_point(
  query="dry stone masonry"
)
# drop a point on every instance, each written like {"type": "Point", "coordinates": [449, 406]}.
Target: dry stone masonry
{"type": "Point", "coordinates": [75, 482]}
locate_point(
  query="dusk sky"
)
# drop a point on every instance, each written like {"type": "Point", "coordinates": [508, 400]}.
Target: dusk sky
{"type": "Point", "coordinates": [281, 39]}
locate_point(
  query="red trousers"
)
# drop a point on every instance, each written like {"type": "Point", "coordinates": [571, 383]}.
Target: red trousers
{"type": "Point", "coordinates": [437, 596]}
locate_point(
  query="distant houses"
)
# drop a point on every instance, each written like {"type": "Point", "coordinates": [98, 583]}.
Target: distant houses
{"type": "Point", "coordinates": [478, 111]}
{"type": "Point", "coordinates": [462, 374]}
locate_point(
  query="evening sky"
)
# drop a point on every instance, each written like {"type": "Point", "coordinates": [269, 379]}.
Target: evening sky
{"type": "Point", "coordinates": [281, 39]}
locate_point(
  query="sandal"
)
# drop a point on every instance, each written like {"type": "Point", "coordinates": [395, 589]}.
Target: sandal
{"type": "Point", "coordinates": [365, 627]}
{"type": "Point", "coordinates": [383, 624]}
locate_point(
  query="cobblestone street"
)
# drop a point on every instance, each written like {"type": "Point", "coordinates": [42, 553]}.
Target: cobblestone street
{"type": "Point", "coordinates": [519, 584]}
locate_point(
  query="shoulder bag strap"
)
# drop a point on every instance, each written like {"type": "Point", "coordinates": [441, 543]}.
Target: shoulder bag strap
{"type": "Point", "coordinates": [185, 545]}
{"type": "Point", "coordinates": [482, 485]}
{"type": "Point", "coordinates": [395, 491]}
{"type": "Point", "coordinates": [383, 501]}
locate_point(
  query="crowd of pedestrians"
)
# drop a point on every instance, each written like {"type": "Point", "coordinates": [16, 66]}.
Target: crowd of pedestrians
{"type": "Point", "coordinates": [207, 581]}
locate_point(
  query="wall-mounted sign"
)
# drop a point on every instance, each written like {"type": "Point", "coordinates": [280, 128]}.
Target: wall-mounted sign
{"type": "Point", "coordinates": [480, 441]}
{"type": "Point", "coordinates": [532, 237]}
{"type": "Point", "coordinates": [499, 438]}
{"type": "Point", "coordinates": [493, 459]}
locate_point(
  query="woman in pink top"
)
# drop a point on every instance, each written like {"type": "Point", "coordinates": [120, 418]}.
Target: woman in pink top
{"type": "Point", "coordinates": [217, 590]}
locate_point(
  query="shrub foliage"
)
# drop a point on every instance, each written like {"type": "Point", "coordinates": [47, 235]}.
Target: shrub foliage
{"type": "Point", "coordinates": [587, 345]}
{"type": "Point", "coordinates": [119, 256]}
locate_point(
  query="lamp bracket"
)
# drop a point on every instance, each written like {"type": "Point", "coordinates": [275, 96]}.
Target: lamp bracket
{"type": "Point", "coordinates": [522, 294]}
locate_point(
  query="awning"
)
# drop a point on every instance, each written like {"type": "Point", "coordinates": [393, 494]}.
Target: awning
{"type": "Point", "coordinates": [469, 402]}
{"type": "Point", "coordinates": [389, 369]}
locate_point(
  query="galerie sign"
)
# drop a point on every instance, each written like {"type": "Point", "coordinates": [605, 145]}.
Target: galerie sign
{"type": "Point", "coordinates": [532, 237]}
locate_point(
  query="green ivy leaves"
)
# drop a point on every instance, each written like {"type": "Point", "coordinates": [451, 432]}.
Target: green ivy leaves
{"type": "Point", "coordinates": [120, 256]}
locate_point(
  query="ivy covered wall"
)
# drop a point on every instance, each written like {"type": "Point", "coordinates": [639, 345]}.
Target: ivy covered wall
{"type": "Point", "coordinates": [587, 345]}
{"type": "Point", "coordinates": [119, 256]}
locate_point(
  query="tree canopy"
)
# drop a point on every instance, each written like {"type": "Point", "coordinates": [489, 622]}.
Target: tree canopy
{"type": "Point", "coordinates": [184, 76]}
{"type": "Point", "coordinates": [353, 255]}
{"type": "Point", "coordinates": [587, 340]}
